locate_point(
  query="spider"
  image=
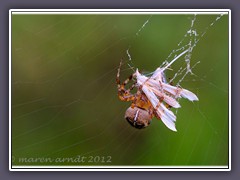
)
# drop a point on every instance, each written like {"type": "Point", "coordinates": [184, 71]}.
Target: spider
{"type": "Point", "coordinates": [154, 98]}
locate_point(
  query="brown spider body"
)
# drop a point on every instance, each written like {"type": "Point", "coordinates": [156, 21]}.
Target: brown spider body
{"type": "Point", "coordinates": [141, 112]}
{"type": "Point", "coordinates": [138, 117]}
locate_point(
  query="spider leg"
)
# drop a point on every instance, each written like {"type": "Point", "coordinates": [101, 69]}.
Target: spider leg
{"type": "Point", "coordinates": [132, 87]}
{"type": "Point", "coordinates": [136, 100]}
{"type": "Point", "coordinates": [124, 94]}
{"type": "Point", "coordinates": [118, 75]}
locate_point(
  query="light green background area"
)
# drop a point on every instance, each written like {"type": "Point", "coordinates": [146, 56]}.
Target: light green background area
{"type": "Point", "coordinates": [64, 96]}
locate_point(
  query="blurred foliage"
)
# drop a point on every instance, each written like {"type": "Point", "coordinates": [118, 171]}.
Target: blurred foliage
{"type": "Point", "coordinates": [64, 96]}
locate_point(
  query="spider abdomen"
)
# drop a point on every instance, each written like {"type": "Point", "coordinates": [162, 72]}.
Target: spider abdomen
{"type": "Point", "coordinates": [137, 117]}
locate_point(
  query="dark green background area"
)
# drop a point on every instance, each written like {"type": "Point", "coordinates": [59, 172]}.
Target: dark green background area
{"type": "Point", "coordinates": [64, 96]}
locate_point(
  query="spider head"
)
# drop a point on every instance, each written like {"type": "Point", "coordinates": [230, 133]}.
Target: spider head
{"type": "Point", "coordinates": [138, 118]}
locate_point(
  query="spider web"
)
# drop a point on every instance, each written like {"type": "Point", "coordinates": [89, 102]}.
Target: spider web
{"type": "Point", "coordinates": [64, 97]}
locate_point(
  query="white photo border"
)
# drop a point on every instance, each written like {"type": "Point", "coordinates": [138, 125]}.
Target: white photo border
{"type": "Point", "coordinates": [120, 168]}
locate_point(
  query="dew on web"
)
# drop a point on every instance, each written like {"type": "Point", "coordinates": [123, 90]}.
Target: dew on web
{"type": "Point", "coordinates": [143, 26]}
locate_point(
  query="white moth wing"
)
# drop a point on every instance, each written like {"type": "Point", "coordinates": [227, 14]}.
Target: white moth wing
{"type": "Point", "coordinates": [170, 123]}
{"type": "Point", "coordinates": [179, 92]}
{"type": "Point", "coordinates": [153, 88]}
{"type": "Point", "coordinates": [168, 112]}
{"type": "Point", "coordinates": [169, 100]}
{"type": "Point", "coordinates": [167, 116]}
{"type": "Point", "coordinates": [158, 90]}
{"type": "Point", "coordinates": [172, 90]}
{"type": "Point", "coordinates": [189, 95]}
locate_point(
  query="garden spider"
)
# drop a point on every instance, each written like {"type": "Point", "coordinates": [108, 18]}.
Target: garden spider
{"type": "Point", "coordinates": [154, 98]}
{"type": "Point", "coordinates": [140, 113]}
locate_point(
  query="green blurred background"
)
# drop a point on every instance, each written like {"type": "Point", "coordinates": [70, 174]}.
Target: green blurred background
{"type": "Point", "coordinates": [64, 96]}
